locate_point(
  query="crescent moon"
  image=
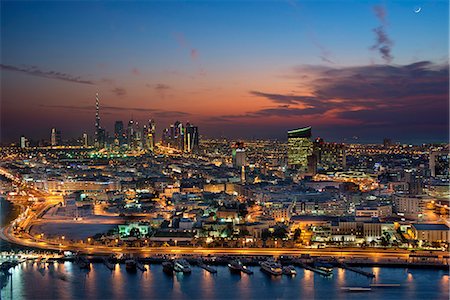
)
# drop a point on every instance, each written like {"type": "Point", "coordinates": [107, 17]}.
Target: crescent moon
{"type": "Point", "coordinates": [417, 10]}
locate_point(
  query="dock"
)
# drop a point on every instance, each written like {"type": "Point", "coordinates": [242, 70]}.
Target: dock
{"type": "Point", "coordinates": [318, 271]}
{"type": "Point", "coordinates": [356, 270]}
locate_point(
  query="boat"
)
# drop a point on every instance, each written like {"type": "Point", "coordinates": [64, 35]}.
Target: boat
{"type": "Point", "coordinates": [323, 266]}
{"type": "Point", "coordinates": [271, 267]}
{"type": "Point", "coordinates": [168, 267]}
{"type": "Point", "coordinates": [141, 266]}
{"type": "Point", "coordinates": [108, 264]}
{"type": "Point", "coordinates": [181, 265]}
{"type": "Point", "coordinates": [130, 265]}
{"type": "Point", "coordinates": [356, 289]}
{"type": "Point", "coordinates": [235, 266]}
{"type": "Point", "coordinates": [83, 262]}
{"type": "Point", "coordinates": [289, 270]}
{"type": "Point", "coordinates": [384, 285]}
{"type": "Point", "coordinates": [205, 267]}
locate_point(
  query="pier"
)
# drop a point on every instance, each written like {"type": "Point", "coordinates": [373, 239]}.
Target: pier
{"type": "Point", "coordinates": [318, 271]}
{"type": "Point", "coordinates": [207, 268]}
{"type": "Point", "coordinates": [356, 270]}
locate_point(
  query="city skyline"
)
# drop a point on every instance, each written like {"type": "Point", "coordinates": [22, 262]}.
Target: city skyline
{"type": "Point", "coordinates": [272, 69]}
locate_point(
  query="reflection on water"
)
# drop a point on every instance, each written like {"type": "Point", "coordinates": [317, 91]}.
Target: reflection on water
{"type": "Point", "coordinates": [67, 281]}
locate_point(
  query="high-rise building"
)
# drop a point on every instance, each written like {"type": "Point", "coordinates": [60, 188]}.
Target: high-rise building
{"type": "Point", "coordinates": [100, 133]}
{"type": "Point", "coordinates": [148, 135]}
{"type": "Point", "coordinates": [55, 139]}
{"type": "Point", "coordinates": [414, 178]}
{"type": "Point", "coordinates": [130, 134]}
{"type": "Point", "coordinates": [190, 138]}
{"type": "Point", "coordinates": [330, 156]}
{"type": "Point", "coordinates": [439, 164]}
{"type": "Point", "coordinates": [137, 136]}
{"type": "Point", "coordinates": [118, 133]}
{"type": "Point", "coordinates": [238, 155]}
{"type": "Point", "coordinates": [23, 142]}
{"type": "Point", "coordinates": [85, 140]}
{"type": "Point", "coordinates": [300, 147]}
{"type": "Point", "coordinates": [173, 136]}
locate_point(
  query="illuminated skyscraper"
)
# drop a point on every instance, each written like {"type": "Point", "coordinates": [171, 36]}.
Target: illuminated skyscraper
{"type": "Point", "coordinates": [330, 156]}
{"type": "Point", "coordinates": [239, 157]}
{"type": "Point", "coordinates": [55, 139]}
{"type": "Point", "coordinates": [149, 135]}
{"type": "Point", "coordinates": [130, 134]}
{"type": "Point", "coordinates": [300, 147]}
{"type": "Point", "coordinates": [118, 133]}
{"type": "Point", "coordinates": [100, 134]}
{"type": "Point", "coordinates": [23, 142]}
{"type": "Point", "coordinates": [85, 140]}
{"type": "Point", "coordinates": [190, 138]}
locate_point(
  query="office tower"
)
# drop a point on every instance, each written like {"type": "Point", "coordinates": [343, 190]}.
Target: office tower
{"type": "Point", "coordinates": [190, 138]}
{"type": "Point", "coordinates": [23, 142]}
{"type": "Point", "coordinates": [149, 135]}
{"type": "Point", "coordinates": [97, 121]}
{"type": "Point", "coordinates": [137, 136]}
{"type": "Point", "coordinates": [165, 137]}
{"type": "Point", "coordinates": [178, 135]}
{"type": "Point", "coordinates": [330, 156]}
{"type": "Point", "coordinates": [118, 133]}
{"type": "Point", "coordinates": [152, 134]}
{"type": "Point", "coordinates": [130, 134]}
{"type": "Point", "coordinates": [100, 133]}
{"type": "Point", "coordinates": [85, 140]}
{"type": "Point", "coordinates": [300, 147]}
{"type": "Point", "coordinates": [414, 178]}
{"type": "Point", "coordinates": [55, 137]}
{"type": "Point", "coordinates": [239, 157]}
{"type": "Point", "coordinates": [439, 164]}
{"type": "Point", "coordinates": [242, 174]}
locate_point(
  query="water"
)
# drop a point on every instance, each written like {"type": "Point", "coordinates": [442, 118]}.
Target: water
{"type": "Point", "coordinates": [8, 212]}
{"type": "Point", "coordinates": [28, 282]}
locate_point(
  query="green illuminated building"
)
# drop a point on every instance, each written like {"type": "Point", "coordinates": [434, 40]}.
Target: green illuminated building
{"type": "Point", "coordinates": [300, 148]}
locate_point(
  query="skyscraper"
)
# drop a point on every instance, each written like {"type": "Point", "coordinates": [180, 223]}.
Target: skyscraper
{"type": "Point", "coordinates": [85, 140]}
{"type": "Point", "coordinates": [130, 134]}
{"type": "Point", "coordinates": [23, 142]}
{"type": "Point", "coordinates": [300, 147]}
{"type": "Point", "coordinates": [330, 156]}
{"type": "Point", "coordinates": [100, 134]}
{"type": "Point", "coordinates": [118, 133]}
{"type": "Point", "coordinates": [55, 139]}
{"type": "Point", "coordinates": [149, 135]}
{"type": "Point", "coordinates": [239, 157]}
{"type": "Point", "coordinates": [190, 138]}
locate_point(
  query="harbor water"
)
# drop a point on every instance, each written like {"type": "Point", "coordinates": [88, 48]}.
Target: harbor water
{"type": "Point", "coordinates": [67, 281]}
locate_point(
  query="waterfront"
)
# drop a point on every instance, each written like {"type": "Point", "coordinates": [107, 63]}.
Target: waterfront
{"type": "Point", "coordinates": [68, 281]}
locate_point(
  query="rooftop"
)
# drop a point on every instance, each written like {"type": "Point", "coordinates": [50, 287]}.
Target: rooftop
{"type": "Point", "coordinates": [428, 226]}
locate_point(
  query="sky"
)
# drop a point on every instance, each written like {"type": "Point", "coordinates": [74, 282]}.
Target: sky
{"type": "Point", "coordinates": [353, 70]}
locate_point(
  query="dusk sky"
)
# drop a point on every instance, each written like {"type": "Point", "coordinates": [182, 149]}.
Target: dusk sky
{"type": "Point", "coordinates": [252, 69]}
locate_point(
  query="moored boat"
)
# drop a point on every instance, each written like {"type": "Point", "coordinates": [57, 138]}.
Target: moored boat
{"type": "Point", "coordinates": [289, 270]}
{"type": "Point", "coordinates": [168, 267]}
{"type": "Point", "coordinates": [271, 268]}
{"type": "Point", "coordinates": [181, 265]}
{"type": "Point", "coordinates": [130, 265]}
{"type": "Point", "coordinates": [235, 266]}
